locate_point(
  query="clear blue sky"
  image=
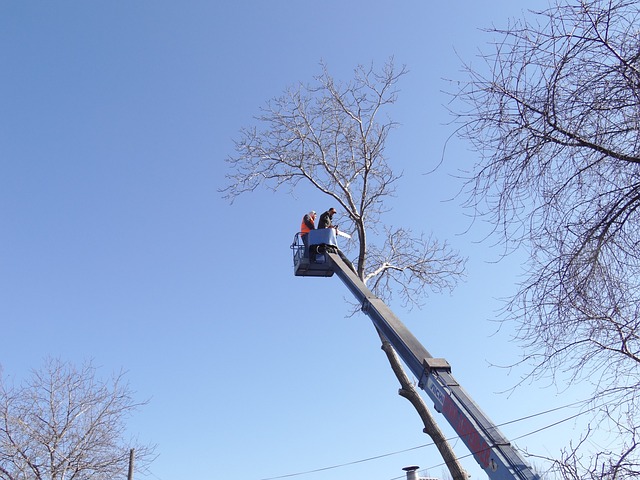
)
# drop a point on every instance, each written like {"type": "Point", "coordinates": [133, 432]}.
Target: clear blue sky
{"type": "Point", "coordinates": [115, 245]}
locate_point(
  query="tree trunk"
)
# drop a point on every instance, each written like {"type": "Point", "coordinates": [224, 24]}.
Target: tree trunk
{"type": "Point", "coordinates": [409, 392]}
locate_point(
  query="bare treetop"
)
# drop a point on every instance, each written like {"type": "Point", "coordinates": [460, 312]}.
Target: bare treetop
{"type": "Point", "coordinates": [327, 134]}
{"type": "Point", "coordinates": [65, 423]}
{"type": "Point", "coordinates": [331, 136]}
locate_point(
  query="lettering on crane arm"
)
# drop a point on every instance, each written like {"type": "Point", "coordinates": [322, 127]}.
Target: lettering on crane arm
{"type": "Point", "coordinates": [438, 393]}
{"type": "Point", "coordinates": [469, 435]}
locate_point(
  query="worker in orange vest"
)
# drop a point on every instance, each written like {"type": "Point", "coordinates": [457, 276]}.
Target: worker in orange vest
{"type": "Point", "coordinates": [308, 224]}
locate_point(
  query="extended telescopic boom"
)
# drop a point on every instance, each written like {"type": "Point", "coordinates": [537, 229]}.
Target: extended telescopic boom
{"type": "Point", "coordinates": [493, 452]}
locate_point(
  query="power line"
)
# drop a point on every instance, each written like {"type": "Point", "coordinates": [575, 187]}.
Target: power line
{"type": "Point", "coordinates": [533, 432]}
{"type": "Point", "coordinates": [347, 463]}
{"type": "Point", "coordinates": [377, 457]}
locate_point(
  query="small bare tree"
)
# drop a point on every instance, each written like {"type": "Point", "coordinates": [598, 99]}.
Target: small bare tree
{"type": "Point", "coordinates": [330, 136]}
{"type": "Point", "coordinates": [554, 112]}
{"type": "Point", "coordinates": [65, 424]}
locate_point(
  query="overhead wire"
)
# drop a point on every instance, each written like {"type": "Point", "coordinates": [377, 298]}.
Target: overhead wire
{"type": "Point", "coordinates": [368, 459]}
{"type": "Point", "coordinates": [532, 432]}
{"type": "Point", "coordinates": [377, 457]}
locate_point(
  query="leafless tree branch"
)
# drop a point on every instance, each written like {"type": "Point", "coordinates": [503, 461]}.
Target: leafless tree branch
{"type": "Point", "coordinates": [65, 424]}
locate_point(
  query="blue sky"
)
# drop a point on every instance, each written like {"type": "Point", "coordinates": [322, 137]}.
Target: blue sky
{"type": "Point", "coordinates": [115, 245]}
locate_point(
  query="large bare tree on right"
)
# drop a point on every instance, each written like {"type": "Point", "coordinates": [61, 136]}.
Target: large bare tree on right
{"type": "Point", "coordinates": [554, 112]}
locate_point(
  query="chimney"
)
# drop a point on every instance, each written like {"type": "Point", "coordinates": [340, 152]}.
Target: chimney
{"type": "Point", "coordinates": [412, 472]}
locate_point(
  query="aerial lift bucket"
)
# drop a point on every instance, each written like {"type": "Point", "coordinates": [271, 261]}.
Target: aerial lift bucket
{"type": "Point", "coordinates": [310, 260]}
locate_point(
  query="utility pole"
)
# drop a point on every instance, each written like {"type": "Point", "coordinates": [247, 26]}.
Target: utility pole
{"type": "Point", "coordinates": [130, 476]}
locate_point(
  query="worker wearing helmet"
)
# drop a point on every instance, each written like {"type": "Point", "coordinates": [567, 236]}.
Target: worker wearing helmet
{"type": "Point", "coordinates": [307, 224]}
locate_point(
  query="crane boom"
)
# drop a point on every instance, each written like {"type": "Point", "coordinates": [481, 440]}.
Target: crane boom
{"type": "Point", "coordinates": [493, 452]}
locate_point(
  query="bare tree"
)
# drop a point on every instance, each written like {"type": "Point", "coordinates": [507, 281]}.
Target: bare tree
{"type": "Point", "coordinates": [554, 111]}
{"type": "Point", "coordinates": [330, 136]}
{"type": "Point", "coordinates": [63, 423]}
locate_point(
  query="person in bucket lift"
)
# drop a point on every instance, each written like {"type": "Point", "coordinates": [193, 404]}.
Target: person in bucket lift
{"type": "Point", "coordinates": [325, 219]}
{"type": "Point", "coordinates": [307, 224]}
